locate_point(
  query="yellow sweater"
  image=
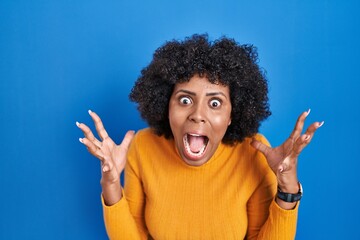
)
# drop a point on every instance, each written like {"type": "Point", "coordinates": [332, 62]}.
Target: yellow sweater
{"type": "Point", "coordinates": [229, 197]}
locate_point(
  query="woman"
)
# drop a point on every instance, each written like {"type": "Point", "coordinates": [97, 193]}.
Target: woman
{"type": "Point", "coordinates": [201, 170]}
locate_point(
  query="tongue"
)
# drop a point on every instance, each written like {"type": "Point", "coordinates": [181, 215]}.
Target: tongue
{"type": "Point", "coordinates": [196, 143]}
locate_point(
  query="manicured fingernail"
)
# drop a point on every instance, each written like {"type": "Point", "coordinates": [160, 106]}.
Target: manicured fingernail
{"type": "Point", "coordinates": [77, 124]}
{"type": "Point", "coordinates": [308, 112]}
{"type": "Point", "coordinates": [81, 140]}
{"type": "Point", "coordinates": [89, 111]}
{"type": "Point", "coordinates": [320, 124]}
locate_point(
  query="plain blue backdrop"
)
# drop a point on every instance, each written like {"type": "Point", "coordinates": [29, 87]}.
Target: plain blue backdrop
{"type": "Point", "coordinates": [60, 58]}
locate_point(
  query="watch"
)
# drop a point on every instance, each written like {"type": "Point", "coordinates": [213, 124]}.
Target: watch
{"type": "Point", "coordinates": [290, 197]}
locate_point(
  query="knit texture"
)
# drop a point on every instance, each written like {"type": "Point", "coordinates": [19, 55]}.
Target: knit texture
{"type": "Point", "coordinates": [229, 197]}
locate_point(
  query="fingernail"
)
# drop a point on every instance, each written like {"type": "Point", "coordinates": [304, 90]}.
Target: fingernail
{"type": "Point", "coordinates": [105, 168]}
{"type": "Point", "coordinates": [308, 111]}
{"type": "Point", "coordinates": [307, 137]}
{"type": "Point", "coordinates": [81, 140]}
{"type": "Point", "coordinates": [77, 124]}
{"type": "Point", "coordinates": [320, 124]}
{"type": "Point", "coordinates": [89, 111]}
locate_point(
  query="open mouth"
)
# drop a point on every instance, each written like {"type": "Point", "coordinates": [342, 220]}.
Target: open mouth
{"type": "Point", "coordinates": [195, 145]}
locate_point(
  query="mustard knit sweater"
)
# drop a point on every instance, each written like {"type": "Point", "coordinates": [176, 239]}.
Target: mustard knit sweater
{"type": "Point", "coordinates": [229, 197]}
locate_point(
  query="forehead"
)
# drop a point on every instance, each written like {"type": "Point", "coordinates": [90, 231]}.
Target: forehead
{"type": "Point", "coordinates": [201, 84]}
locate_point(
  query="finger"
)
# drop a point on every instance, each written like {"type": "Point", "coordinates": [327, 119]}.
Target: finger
{"type": "Point", "coordinates": [108, 173]}
{"type": "Point", "coordinates": [299, 125]}
{"type": "Point", "coordinates": [88, 134]}
{"type": "Point", "coordinates": [107, 165]}
{"type": "Point", "coordinates": [127, 139]}
{"type": "Point", "coordinates": [313, 127]}
{"type": "Point", "coordinates": [283, 167]}
{"type": "Point", "coordinates": [310, 131]}
{"type": "Point", "coordinates": [300, 144]}
{"type": "Point", "coordinates": [305, 139]}
{"type": "Point", "coordinates": [260, 146]}
{"type": "Point", "coordinates": [92, 148]}
{"type": "Point", "coordinates": [99, 125]}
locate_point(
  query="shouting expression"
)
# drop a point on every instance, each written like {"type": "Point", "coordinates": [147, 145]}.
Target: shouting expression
{"type": "Point", "coordinates": [199, 114]}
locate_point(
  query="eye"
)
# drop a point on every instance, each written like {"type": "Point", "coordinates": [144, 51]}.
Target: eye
{"type": "Point", "coordinates": [185, 100]}
{"type": "Point", "coordinates": [215, 103]}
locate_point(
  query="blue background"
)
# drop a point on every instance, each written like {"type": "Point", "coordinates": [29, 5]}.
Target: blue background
{"type": "Point", "coordinates": [60, 58]}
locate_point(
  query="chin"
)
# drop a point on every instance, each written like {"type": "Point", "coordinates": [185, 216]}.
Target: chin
{"type": "Point", "coordinates": [196, 160]}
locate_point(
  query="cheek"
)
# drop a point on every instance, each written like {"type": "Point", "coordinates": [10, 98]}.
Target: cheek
{"type": "Point", "coordinates": [171, 113]}
{"type": "Point", "coordinates": [174, 122]}
{"type": "Point", "coordinates": [174, 119]}
{"type": "Point", "coordinates": [220, 124]}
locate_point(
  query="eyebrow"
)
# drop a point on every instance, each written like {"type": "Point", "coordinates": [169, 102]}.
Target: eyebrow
{"type": "Point", "coordinates": [207, 94]}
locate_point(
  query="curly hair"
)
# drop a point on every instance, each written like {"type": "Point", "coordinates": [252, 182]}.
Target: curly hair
{"type": "Point", "coordinates": [222, 61]}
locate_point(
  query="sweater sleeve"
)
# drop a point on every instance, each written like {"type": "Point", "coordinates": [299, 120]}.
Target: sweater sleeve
{"type": "Point", "coordinates": [125, 219]}
{"type": "Point", "coordinates": [281, 223]}
{"type": "Point", "coordinates": [266, 220]}
{"type": "Point", "coordinates": [118, 220]}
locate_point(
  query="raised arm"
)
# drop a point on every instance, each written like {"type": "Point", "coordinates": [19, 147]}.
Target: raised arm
{"type": "Point", "coordinates": [284, 158]}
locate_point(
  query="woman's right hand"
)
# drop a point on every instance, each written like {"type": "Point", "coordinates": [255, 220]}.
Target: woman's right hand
{"type": "Point", "coordinates": [111, 156]}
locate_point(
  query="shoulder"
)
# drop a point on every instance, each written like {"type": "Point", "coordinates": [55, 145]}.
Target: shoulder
{"type": "Point", "coordinates": [148, 149]}
{"type": "Point", "coordinates": [148, 136]}
{"type": "Point", "coordinates": [261, 138]}
{"type": "Point", "coordinates": [143, 140]}
{"type": "Point", "coordinates": [146, 141]}
{"type": "Point", "coordinates": [145, 131]}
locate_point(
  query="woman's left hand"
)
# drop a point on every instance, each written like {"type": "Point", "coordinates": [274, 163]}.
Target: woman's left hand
{"type": "Point", "coordinates": [283, 159]}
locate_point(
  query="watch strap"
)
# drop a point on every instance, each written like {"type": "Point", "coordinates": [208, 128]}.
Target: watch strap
{"type": "Point", "coordinates": [290, 197]}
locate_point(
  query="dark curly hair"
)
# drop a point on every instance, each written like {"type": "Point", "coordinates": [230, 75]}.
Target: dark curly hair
{"type": "Point", "coordinates": [222, 61]}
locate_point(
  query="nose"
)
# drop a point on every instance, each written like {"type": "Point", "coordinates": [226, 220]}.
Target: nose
{"type": "Point", "coordinates": [198, 114]}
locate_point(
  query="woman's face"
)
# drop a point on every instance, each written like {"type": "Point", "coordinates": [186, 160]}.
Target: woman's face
{"type": "Point", "coordinates": [199, 114]}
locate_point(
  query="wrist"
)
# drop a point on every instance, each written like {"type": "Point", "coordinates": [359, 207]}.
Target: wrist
{"type": "Point", "coordinates": [288, 183]}
{"type": "Point", "coordinates": [109, 183]}
{"type": "Point", "coordinates": [289, 188]}
{"type": "Point", "coordinates": [112, 192]}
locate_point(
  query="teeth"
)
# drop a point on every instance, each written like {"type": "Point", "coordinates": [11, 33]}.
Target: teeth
{"type": "Point", "coordinates": [187, 146]}
{"type": "Point", "coordinates": [195, 135]}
